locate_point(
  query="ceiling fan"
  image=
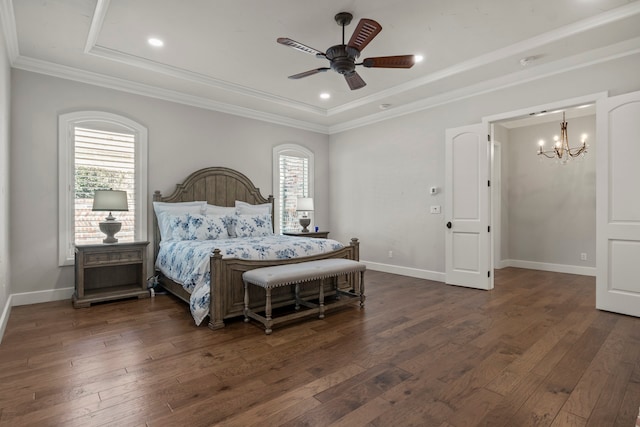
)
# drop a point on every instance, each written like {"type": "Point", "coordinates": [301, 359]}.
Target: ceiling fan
{"type": "Point", "coordinates": [342, 57]}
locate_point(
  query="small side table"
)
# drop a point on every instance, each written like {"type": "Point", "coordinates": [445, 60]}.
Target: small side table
{"type": "Point", "coordinates": [317, 234]}
{"type": "Point", "coordinates": [107, 272]}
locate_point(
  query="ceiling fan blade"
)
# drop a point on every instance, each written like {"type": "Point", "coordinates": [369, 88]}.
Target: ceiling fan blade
{"type": "Point", "coordinates": [400, 61]}
{"type": "Point", "coordinates": [354, 81]}
{"type": "Point", "coordinates": [366, 30]}
{"type": "Point", "coordinates": [299, 46]}
{"type": "Point", "coordinates": [309, 73]}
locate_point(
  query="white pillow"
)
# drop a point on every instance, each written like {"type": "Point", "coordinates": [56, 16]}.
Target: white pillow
{"type": "Point", "coordinates": [244, 208]}
{"type": "Point", "coordinates": [163, 209]}
{"type": "Point", "coordinates": [207, 227]}
{"type": "Point", "coordinates": [220, 210]}
{"type": "Point", "coordinates": [256, 225]}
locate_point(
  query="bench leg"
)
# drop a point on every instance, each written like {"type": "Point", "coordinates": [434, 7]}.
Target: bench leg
{"type": "Point", "coordinates": [267, 312]}
{"type": "Point", "coordinates": [321, 299]}
{"type": "Point", "coordinates": [362, 297]}
{"type": "Point", "coordinates": [297, 296]}
{"type": "Point", "coordinates": [246, 302]}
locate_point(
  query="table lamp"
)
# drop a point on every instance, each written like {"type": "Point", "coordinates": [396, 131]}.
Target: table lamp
{"type": "Point", "coordinates": [111, 201]}
{"type": "Point", "coordinates": [305, 204]}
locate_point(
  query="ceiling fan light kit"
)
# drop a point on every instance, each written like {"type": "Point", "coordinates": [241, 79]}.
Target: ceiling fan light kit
{"type": "Point", "coordinates": [342, 57]}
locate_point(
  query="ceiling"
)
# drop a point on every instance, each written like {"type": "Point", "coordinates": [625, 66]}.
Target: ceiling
{"type": "Point", "coordinates": [223, 55]}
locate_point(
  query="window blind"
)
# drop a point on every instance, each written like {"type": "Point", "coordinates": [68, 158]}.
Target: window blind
{"type": "Point", "coordinates": [102, 160]}
{"type": "Point", "coordinates": [294, 183]}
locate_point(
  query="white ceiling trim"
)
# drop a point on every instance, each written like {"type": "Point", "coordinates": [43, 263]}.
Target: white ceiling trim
{"type": "Point", "coordinates": [497, 55]}
{"type": "Point", "coordinates": [83, 76]}
{"type": "Point", "coordinates": [8, 21]}
{"type": "Point", "coordinates": [92, 48]}
{"type": "Point", "coordinates": [193, 77]}
{"type": "Point", "coordinates": [587, 59]}
{"type": "Point", "coordinates": [96, 24]}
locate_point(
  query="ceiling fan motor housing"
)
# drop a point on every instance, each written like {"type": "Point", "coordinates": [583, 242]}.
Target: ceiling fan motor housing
{"type": "Point", "coordinates": [342, 58]}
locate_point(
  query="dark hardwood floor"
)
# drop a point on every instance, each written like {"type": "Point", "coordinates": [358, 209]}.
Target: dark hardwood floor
{"type": "Point", "coordinates": [534, 351]}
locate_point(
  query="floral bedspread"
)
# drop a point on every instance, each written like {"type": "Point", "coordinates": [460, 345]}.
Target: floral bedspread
{"type": "Point", "coordinates": [187, 261]}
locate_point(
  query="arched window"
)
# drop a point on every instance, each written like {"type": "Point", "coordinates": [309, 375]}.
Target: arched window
{"type": "Point", "coordinates": [98, 151]}
{"type": "Point", "coordinates": [292, 178]}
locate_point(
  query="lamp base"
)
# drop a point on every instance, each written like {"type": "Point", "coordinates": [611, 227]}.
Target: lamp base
{"type": "Point", "coordinates": [304, 222]}
{"type": "Point", "coordinates": [110, 228]}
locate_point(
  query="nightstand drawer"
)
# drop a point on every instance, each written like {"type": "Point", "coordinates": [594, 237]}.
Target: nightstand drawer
{"type": "Point", "coordinates": [96, 258]}
{"type": "Point", "coordinates": [134, 255]}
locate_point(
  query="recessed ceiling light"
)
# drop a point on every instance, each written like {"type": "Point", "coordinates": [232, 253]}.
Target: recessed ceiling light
{"type": "Point", "coordinates": [325, 95]}
{"type": "Point", "coordinates": [384, 106]}
{"type": "Point", "coordinates": [155, 42]}
{"type": "Point", "coordinates": [418, 58]}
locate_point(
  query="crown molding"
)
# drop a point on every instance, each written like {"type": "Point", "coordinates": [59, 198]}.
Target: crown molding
{"type": "Point", "coordinates": [193, 77]}
{"type": "Point", "coordinates": [8, 22]}
{"type": "Point", "coordinates": [92, 48]}
{"type": "Point", "coordinates": [70, 73]}
{"type": "Point", "coordinates": [99, 14]}
{"type": "Point", "coordinates": [583, 60]}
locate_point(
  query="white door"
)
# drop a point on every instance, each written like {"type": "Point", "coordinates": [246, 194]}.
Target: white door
{"type": "Point", "coordinates": [618, 204]}
{"type": "Point", "coordinates": [467, 242]}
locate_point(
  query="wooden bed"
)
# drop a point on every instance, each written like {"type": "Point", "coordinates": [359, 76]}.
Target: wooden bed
{"type": "Point", "coordinates": [222, 187]}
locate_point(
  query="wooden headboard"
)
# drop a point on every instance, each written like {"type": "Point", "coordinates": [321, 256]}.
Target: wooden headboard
{"type": "Point", "coordinates": [218, 186]}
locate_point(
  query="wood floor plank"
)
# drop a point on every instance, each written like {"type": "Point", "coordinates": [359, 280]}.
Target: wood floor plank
{"type": "Point", "coordinates": [533, 351]}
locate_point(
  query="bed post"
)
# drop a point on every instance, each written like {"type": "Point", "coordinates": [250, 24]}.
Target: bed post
{"type": "Point", "coordinates": [157, 196]}
{"type": "Point", "coordinates": [273, 217]}
{"type": "Point", "coordinates": [216, 312]}
{"type": "Point", "coordinates": [355, 245]}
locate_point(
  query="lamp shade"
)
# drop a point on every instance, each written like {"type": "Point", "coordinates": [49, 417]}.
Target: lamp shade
{"type": "Point", "coordinates": [110, 200]}
{"type": "Point", "coordinates": [305, 204]}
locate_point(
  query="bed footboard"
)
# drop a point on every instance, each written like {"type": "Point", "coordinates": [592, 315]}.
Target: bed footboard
{"type": "Point", "coordinates": [227, 288]}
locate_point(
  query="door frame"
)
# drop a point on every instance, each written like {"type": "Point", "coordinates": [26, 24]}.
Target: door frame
{"type": "Point", "coordinates": [488, 122]}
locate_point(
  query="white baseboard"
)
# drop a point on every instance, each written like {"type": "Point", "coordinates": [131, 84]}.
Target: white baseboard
{"type": "Point", "coordinates": [37, 297]}
{"type": "Point", "coordinates": [405, 271]}
{"type": "Point", "coordinates": [557, 268]}
{"type": "Point", "coordinates": [4, 318]}
{"type": "Point", "coordinates": [26, 298]}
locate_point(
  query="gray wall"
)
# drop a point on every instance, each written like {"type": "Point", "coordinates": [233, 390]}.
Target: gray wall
{"type": "Point", "coordinates": [380, 174]}
{"type": "Point", "coordinates": [182, 139]}
{"type": "Point", "coordinates": [551, 207]}
{"type": "Point", "coordinates": [5, 91]}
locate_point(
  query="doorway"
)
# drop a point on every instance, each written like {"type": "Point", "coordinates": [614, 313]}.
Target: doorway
{"type": "Point", "coordinates": [543, 211]}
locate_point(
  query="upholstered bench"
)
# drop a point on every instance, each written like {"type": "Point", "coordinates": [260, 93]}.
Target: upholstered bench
{"type": "Point", "coordinates": [295, 274]}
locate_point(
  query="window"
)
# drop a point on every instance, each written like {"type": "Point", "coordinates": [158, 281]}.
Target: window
{"type": "Point", "coordinates": [99, 151]}
{"type": "Point", "coordinates": [292, 178]}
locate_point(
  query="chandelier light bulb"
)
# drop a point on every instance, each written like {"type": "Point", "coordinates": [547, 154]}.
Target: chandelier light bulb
{"type": "Point", "coordinates": [541, 143]}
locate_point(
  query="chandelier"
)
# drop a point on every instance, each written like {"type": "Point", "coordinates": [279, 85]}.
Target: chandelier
{"type": "Point", "coordinates": [561, 150]}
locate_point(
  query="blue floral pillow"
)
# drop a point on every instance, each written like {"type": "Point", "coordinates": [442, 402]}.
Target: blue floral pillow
{"type": "Point", "coordinates": [179, 226]}
{"type": "Point", "coordinates": [207, 227]}
{"type": "Point", "coordinates": [255, 225]}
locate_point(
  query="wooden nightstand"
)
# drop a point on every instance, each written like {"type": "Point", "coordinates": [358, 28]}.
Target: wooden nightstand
{"type": "Point", "coordinates": [318, 234]}
{"type": "Point", "coordinates": [108, 272]}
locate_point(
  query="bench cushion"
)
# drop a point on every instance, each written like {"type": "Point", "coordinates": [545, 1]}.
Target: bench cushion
{"type": "Point", "coordinates": [288, 274]}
